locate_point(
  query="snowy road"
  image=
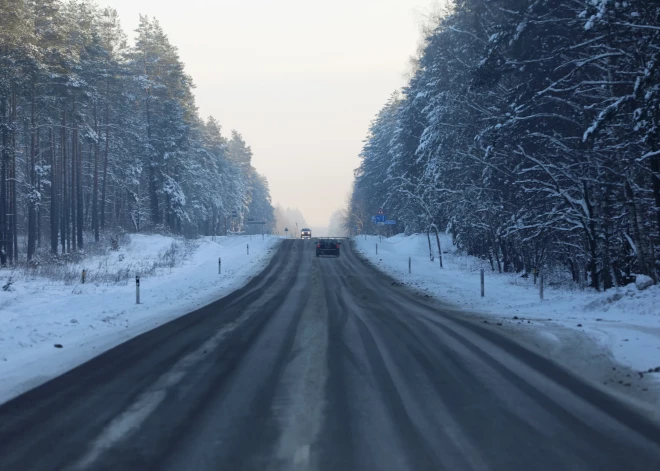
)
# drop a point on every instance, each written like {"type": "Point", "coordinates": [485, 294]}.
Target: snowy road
{"type": "Point", "coordinates": [322, 364]}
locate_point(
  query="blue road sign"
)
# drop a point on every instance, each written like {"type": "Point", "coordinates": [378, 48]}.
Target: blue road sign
{"type": "Point", "coordinates": [390, 221]}
{"type": "Point", "coordinates": [373, 218]}
{"type": "Point", "coordinates": [380, 218]}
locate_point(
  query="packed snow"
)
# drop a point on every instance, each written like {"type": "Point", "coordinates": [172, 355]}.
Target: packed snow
{"type": "Point", "coordinates": [48, 326]}
{"type": "Point", "coordinates": [625, 320]}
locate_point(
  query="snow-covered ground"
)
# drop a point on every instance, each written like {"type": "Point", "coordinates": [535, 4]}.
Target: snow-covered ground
{"type": "Point", "coordinates": [87, 319]}
{"type": "Point", "coordinates": [625, 321]}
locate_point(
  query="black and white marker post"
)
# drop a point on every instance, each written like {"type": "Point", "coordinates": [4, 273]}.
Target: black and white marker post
{"type": "Point", "coordinates": [248, 249]}
{"type": "Point", "coordinates": [137, 289]}
{"type": "Point", "coordinates": [219, 265]}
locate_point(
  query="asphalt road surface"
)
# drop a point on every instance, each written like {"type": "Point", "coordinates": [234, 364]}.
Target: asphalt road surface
{"type": "Point", "coordinates": [322, 364]}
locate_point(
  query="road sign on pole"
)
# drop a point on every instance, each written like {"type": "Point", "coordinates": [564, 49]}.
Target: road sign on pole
{"type": "Point", "coordinates": [380, 211]}
{"type": "Point", "coordinates": [390, 222]}
{"type": "Point", "coordinates": [380, 218]}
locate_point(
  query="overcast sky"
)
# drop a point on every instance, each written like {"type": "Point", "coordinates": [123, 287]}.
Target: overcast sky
{"type": "Point", "coordinates": [300, 79]}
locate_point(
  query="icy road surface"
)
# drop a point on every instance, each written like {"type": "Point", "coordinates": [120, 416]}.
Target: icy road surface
{"type": "Point", "coordinates": [322, 364]}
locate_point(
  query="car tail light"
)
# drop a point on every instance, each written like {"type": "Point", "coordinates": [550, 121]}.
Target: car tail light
{"type": "Point", "coordinates": [337, 245]}
{"type": "Point", "coordinates": [318, 246]}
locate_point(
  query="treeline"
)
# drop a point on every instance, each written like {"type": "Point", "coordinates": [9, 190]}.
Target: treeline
{"type": "Point", "coordinates": [530, 130]}
{"type": "Point", "coordinates": [96, 135]}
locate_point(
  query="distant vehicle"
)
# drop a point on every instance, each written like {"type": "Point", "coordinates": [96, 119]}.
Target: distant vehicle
{"type": "Point", "coordinates": [327, 247]}
{"type": "Point", "coordinates": [305, 233]}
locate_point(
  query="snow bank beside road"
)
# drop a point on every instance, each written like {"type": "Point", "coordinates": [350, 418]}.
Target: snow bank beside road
{"type": "Point", "coordinates": [91, 318]}
{"type": "Point", "coordinates": [626, 321]}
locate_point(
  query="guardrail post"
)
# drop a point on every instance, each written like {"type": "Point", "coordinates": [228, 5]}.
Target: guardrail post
{"type": "Point", "coordinates": [482, 283]}
{"type": "Point", "coordinates": [137, 289]}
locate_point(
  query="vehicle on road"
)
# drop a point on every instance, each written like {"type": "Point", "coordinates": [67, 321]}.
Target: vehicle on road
{"type": "Point", "coordinates": [305, 233]}
{"type": "Point", "coordinates": [327, 247]}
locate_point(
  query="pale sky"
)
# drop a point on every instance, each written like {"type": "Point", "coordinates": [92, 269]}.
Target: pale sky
{"type": "Point", "coordinates": [299, 79]}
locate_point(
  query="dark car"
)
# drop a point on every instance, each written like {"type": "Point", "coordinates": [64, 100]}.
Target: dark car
{"type": "Point", "coordinates": [327, 247]}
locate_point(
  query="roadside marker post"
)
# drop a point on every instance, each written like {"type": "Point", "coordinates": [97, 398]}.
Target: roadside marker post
{"type": "Point", "coordinates": [376, 249]}
{"type": "Point", "coordinates": [482, 283]}
{"type": "Point", "coordinates": [219, 265]}
{"type": "Point", "coordinates": [137, 289]}
{"type": "Point", "coordinates": [409, 265]}
{"type": "Point", "coordinates": [84, 275]}
{"type": "Point", "coordinates": [541, 287]}
{"type": "Point", "coordinates": [248, 249]}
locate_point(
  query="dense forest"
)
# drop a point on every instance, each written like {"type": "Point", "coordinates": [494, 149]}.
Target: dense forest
{"type": "Point", "coordinates": [529, 130]}
{"type": "Point", "coordinates": [98, 136]}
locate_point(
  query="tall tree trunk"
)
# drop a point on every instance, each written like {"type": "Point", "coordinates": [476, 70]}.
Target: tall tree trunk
{"type": "Point", "coordinates": [606, 276]}
{"type": "Point", "coordinates": [66, 241]}
{"type": "Point", "coordinates": [95, 190]}
{"type": "Point", "coordinates": [53, 195]}
{"type": "Point", "coordinates": [74, 176]}
{"type": "Point", "coordinates": [437, 240]}
{"type": "Point", "coordinates": [153, 187]}
{"type": "Point", "coordinates": [590, 229]}
{"type": "Point", "coordinates": [14, 209]}
{"type": "Point", "coordinates": [428, 237]}
{"type": "Point", "coordinates": [4, 200]}
{"type": "Point", "coordinates": [32, 217]}
{"type": "Point", "coordinates": [105, 157]}
{"type": "Point", "coordinates": [38, 178]}
{"type": "Point", "coordinates": [80, 221]}
{"type": "Point", "coordinates": [655, 178]}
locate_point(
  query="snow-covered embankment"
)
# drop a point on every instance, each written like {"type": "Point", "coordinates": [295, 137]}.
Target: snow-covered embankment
{"type": "Point", "coordinates": [84, 320]}
{"type": "Point", "coordinates": [585, 330]}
